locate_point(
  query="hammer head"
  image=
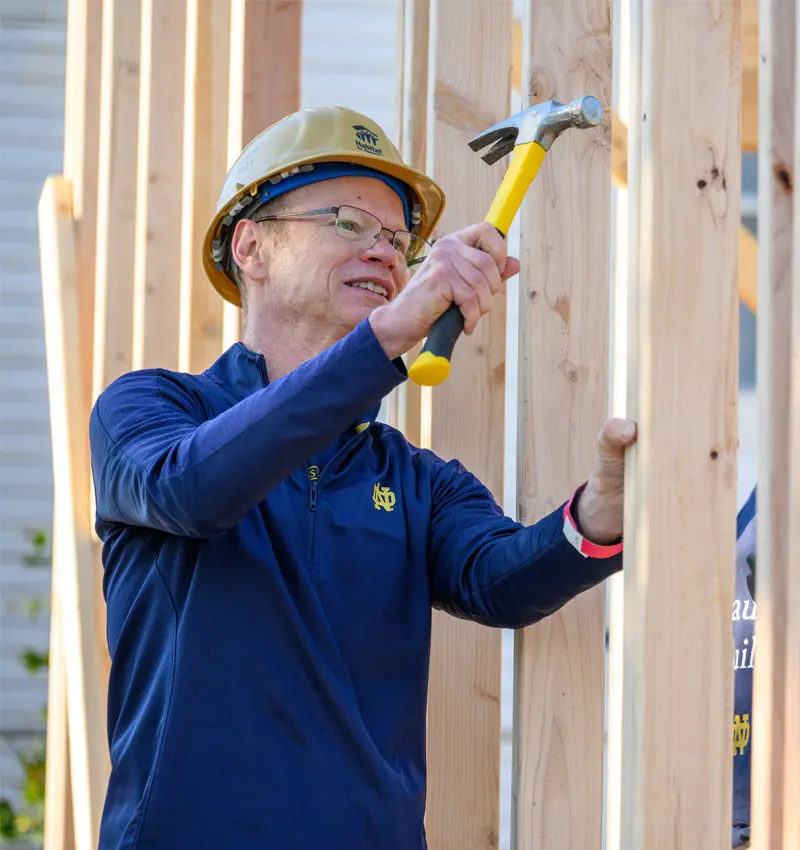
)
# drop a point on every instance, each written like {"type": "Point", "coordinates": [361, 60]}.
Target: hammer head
{"type": "Point", "coordinates": [542, 123]}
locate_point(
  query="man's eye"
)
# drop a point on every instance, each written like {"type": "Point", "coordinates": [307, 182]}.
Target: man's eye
{"type": "Point", "coordinates": [347, 225]}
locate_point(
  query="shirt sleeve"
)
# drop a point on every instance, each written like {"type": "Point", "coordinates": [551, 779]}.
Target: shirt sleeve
{"type": "Point", "coordinates": [488, 568]}
{"type": "Point", "coordinates": [159, 462]}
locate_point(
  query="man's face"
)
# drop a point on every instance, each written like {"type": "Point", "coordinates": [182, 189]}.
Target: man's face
{"type": "Point", "coordinates": [308, 271]}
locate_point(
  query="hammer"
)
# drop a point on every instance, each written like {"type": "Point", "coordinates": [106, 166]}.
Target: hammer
{"type": "Point", "coordinates": [528, 135]}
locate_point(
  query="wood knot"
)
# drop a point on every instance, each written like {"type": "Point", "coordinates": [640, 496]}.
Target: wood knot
{"type": "Point", "coordinates": [784, 178]}
{"type": "Point", "coordinates": [714, 454]}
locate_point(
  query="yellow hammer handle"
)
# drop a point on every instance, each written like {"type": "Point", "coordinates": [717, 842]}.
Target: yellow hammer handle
{"type": "Point", "coordinates": [432, 366]}
{"type": "Point", "coordinates": [525, 163]}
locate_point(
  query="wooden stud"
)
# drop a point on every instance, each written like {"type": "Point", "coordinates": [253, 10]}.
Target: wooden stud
{"type": "Point", "coordinates": [59, 827]}
{"type": "Point", "coordinates": [117, 182]}
{"type": "Point", "coordinates": [682, 391]}
{"type": "Point", "coordinates": [72, 553]}
{"type": "Point", "coordinates": [81, 138]}
{"type": "Point", "coordinates": [265, 55]}
{"type": "Point", "coordinates": [414, 26]}
{"type": "Point", "coordinates": [775, 350]}
{"type": "Point", "coordinates": [748, 246]}
{"type": "Point", "coordinates": [156, 305]}
{"type": "Point", "coordinates": [750, 74]}
{"type": "Point", "coordinates": [791, 637]}
{"type": "Point", "coordinates": [468, 92]}
{"type": "Point", "coordinates": [563, 402]}
{"type": "Point", "coordinates": [205, 161]}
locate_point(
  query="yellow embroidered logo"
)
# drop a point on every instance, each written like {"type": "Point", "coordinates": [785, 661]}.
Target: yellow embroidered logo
{"type": "Point", "coordinates": [383, 497]}
{"type": "Point", "coordinates": [313, 473]}
{"type": "Point", "coordinates": [741, 733]}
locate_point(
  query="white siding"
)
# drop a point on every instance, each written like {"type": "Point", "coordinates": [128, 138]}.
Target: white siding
{"type": "Point", "coordinates": [32, 64]}
{"type": "Point", "coordinates": [350, 57]}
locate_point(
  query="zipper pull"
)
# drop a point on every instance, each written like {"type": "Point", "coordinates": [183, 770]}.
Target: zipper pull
{"type": "Point", "coordinates": [313, 496]}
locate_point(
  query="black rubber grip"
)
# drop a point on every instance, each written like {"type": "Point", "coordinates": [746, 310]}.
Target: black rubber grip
{"type": "Point", "coordinates": [445, 333]}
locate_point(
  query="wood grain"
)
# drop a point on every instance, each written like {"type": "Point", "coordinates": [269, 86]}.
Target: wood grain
{"type": "Point", "coordinates": [72, 552]}
{"type": "Point", "coordinates": [205, 162]}
{"type": "Point", "coordinates": [563, 393]}
{"type": "Point", "coordinates": [776, 346]}
{"type": "Point", "coordinates": [59, 827]}
{"type": "Point", "coordinates": [265, 55]}
{"type": "Point", "coordinates": [414, 34]}
{"type": "Point", "coordinates": [468, 91]}
{"type": "Point", "coordinates": [117, 185]}
{"type": "Point", "coordinates": [81, 139]}
{"type": "Point", "coordinates": [159, 181]}
{"type": "Point", "coordinates": [680, 488]}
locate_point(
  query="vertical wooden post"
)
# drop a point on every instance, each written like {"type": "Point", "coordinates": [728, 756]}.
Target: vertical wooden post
{"type": "Point", "coordinates": [205, 160]}
{"type": "Point", "coordinates": [59, 826]}
{"type": "Point", "coordinates": [78, 193]}
{"type": "Point", "coordinates": [414, 25]}
{"type": "Point", "coordinates": [81, 139]}
{"type": "Point", "coordinates": [468, 91]}
{"type": "Point", "coordinates": [682, 390]}
{"type": "Point", "coordinates": [777, 432]}
{"type": "Point", "coordinates": [265, 55]}
{"type": "Point", "coordinates": [156, 305]}
{"type": "Point", "coordinates": [563, 402]}
{"type": "Point", "coordinates": [626, 91]}
{"type": "Point", "coordinates": [72, 555]}
{"type": "Point", "coordinates": [117, 181]}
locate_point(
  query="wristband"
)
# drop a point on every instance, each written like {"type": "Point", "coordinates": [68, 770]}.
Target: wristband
{"type": "Point", "coordinates": [573, 534]}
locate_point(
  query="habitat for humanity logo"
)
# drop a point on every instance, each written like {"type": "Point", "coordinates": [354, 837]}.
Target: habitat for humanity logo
{"type": "Point", "coordinates": [366, 140]}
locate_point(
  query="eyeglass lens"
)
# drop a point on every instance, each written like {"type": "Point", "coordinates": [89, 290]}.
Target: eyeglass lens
{"type": "Point", "coordinates": [355, 223]}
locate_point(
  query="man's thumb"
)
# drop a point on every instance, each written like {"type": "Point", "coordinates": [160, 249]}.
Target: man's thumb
{"type": "Point", "coordinates": [613, 439]}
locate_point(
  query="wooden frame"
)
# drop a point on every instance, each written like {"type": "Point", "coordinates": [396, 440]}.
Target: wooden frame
{"type": "Point", "coordinates": [143, 164]}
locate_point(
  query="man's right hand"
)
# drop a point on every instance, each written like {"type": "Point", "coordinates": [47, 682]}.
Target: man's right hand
{"type": "Point", "coordinates": [467, 268]}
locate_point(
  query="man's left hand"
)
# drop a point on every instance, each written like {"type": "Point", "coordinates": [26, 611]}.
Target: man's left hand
{"type": "Point", "coordinates": [600, 506]}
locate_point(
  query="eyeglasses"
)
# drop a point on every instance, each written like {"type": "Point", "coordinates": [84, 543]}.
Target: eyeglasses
{"type": "Point", "coordinates": [357, 225]}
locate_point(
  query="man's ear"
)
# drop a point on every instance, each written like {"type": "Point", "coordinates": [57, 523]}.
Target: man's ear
{"type": "Point", "coordinates": [246, 249]}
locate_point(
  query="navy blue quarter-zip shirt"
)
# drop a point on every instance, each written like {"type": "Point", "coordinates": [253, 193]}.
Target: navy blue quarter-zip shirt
{"type": "Point", "coordinates": [271, 558]}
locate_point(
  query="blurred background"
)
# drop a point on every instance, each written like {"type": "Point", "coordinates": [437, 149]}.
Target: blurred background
{"type": "Point", "coordinates": [349, 58]}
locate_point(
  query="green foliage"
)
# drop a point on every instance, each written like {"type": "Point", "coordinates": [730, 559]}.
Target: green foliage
{"type": "Point", "coordinates": [34, 661]}
{"type": "Point", "coordinates": [39, 556]}
{"type": "Point", "coordinates": [28, 823]}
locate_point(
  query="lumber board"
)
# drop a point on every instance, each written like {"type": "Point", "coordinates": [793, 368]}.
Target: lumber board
{"type": "Point", "coordinates": [265, 55]}
{"type": "Point", "coordinates": [205, 160]}
{"type": "Point", "coordinates": [117, 189]}
{"type": "Point", "coordinates": [563, 402]}
{"type": "Point", "coordinates": [468, 91]}
{"type": "Point", "coordinates": [776, 345]}
{"type": "Point", "coordinates": [677, 707]}
{"type": "Point", "coordinates": [414, 29]}
{"type": "Point", "coordinates": [81, 139]}
{"type": "Point", "coordinates": [72, 541]}
{"type": "Point", "coordinates": [157, 267]}
{"type": "Point", "coordinates": [59, 828]}
{"type": "Point", "coordinates": [749, 62]}
{"type": "Point", "coordinates": [624, 95]}
{"type": "Point", "coordinates": [748, 246]}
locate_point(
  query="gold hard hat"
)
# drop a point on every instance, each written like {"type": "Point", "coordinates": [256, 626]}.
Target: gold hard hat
{"type": "Point", "coordinates": [291, 147]}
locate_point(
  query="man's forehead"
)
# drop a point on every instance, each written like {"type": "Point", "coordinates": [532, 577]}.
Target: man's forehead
{"type": "Point", "coordinates": [369, 193]}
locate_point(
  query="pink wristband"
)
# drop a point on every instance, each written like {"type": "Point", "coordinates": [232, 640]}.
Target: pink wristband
{"type": "Point", "coordinates": [584, 546]}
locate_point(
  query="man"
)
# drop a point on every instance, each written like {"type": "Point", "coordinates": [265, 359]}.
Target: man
{"type": "Point", "coordinates": [272, 553]}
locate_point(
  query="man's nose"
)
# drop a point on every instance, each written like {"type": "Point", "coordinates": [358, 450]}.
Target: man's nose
{"type": "Point", "coordinates": [383, 251]}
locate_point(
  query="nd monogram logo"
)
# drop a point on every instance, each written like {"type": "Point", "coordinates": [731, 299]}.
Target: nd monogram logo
{"type": "Point", "coordinates": [383, 497]}
{"type": "Point", "coordinates": [741, 733]}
